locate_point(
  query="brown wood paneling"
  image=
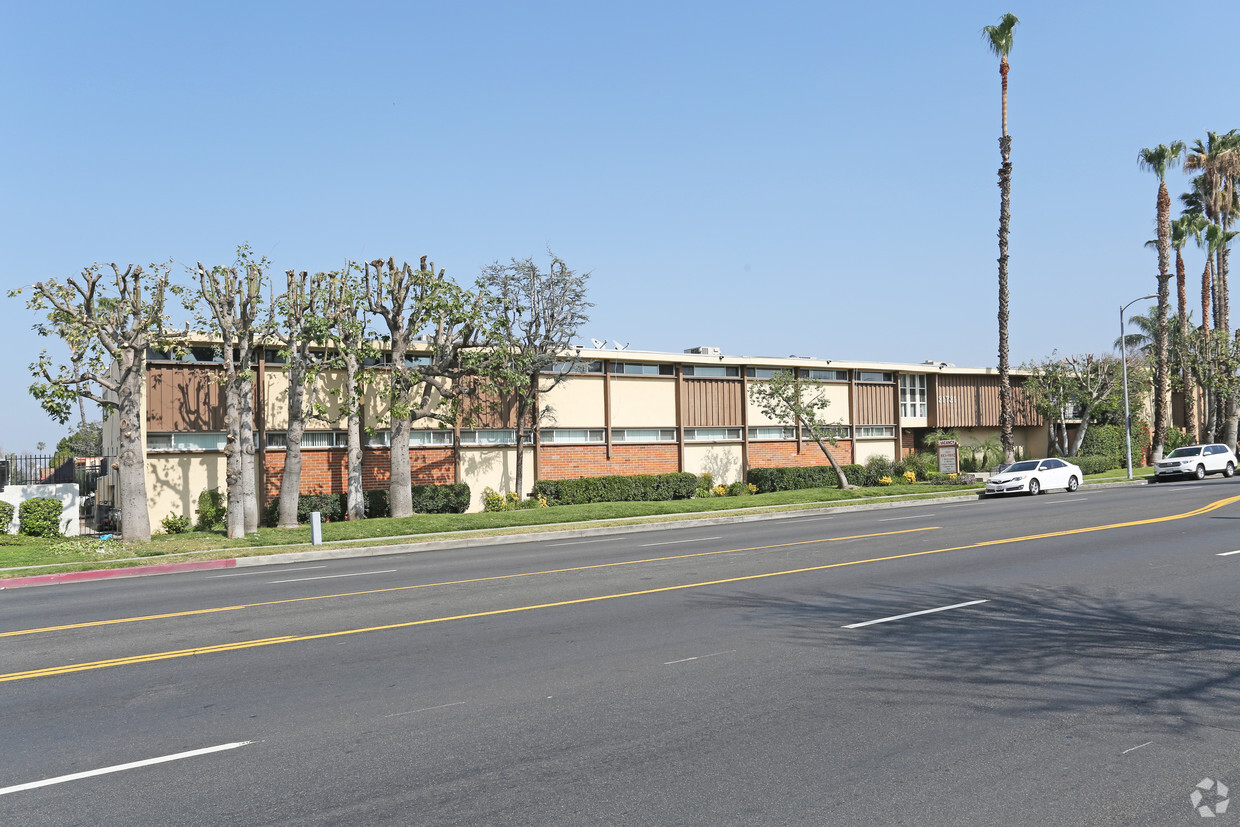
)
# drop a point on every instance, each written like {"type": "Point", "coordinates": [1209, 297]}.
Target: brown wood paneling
{"type": "Point", "coordinates": [973, 402]}
{"type": "Point", "coordinates": [184, 399]}
{"type": "Point", "coordinates": [707, 403]}
{"type": "Point", "coordinates": [485, 406]}
{"type": "Point", "coordinates": [875, 405]}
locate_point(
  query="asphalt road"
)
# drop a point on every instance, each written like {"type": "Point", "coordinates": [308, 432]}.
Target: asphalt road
{"type": "Point", "coordinates": [1064, 659]}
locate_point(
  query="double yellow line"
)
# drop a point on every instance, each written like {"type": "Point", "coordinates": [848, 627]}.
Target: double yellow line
{"type": "Point", "coordinates": [250, 644]}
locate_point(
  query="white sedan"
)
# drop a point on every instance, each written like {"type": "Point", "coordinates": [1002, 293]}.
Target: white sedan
{"type": "Point", "coordinates": [1035, 476]}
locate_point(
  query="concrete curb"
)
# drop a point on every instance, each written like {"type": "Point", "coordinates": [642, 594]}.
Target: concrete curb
{"type": "Point", "coordinates": [536, 534]}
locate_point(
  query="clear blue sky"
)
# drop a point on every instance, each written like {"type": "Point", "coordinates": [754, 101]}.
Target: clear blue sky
{"type": "Point", "coordinates": [778, 178]}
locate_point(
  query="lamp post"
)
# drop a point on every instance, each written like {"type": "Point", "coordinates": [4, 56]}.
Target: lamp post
{"type": "Point", "coordinates": [1123, 360]}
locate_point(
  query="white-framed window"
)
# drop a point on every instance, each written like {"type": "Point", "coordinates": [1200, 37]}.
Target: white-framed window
{"type": "Point", "coordinates": [913, 395]}
{"type": "Point", "coordinates": [768, 433]}
{"type": "Point", "coordinates": [325, 439]}
{"type": "Point", "coordinates": [712, 434]}
{"type": "Point", "coordinates": [828, 432]}
{"type": "Point", "coordinates": [580, 366]}
{"type": "Point", "coordinates": [873, 431]}
{"type": "Point", "coordinates": [643, 434]}
{"type": "Point", "coordinates": [377, 439]}
{"type": "Point", "coordinates": [718, 371]}
{"type": "Point", "coordinates": [428, 438]}
{"type": "Point", "coordinates": [875, 376]}
{"type": "Point", "coordinates": [642, 369]}
{"type": "Point", "coordinates": [824, 375]}
{"type": "Point", "coordinates": [493, 436]}
{"type": "Point", "coordinates": [186, 442]}
{"type": "Point", "coordinates": [573, 436]}
{"type": "Point", "coordinates": [277, 440]}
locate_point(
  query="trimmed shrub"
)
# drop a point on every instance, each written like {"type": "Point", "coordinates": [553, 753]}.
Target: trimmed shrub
{"type": "Point", "coordinates": [441, 499]}
{"type": "Point", "coordinates": [175, 524]}
{"type": "Point", "coordinates": [860, 475]}
{"type": "Point", "coordinates": [1093, 465]}
{"type": "Point", "coordinates": [40, 517]}
{"type": "Point", "coordinates": [1108, 441]}
{"type": "Point", "coordinates": [793, 479]}
{"type": "Point", "coordinates": [6, 516]}
{"type": "Point", "coordinates": [679, 485]}
{"type": "Point", "coordinates": [212, 510]}
{"type": "Point", "coordinates": [705, 483]}
{"type": "Point", "coordinates": [877, 467]}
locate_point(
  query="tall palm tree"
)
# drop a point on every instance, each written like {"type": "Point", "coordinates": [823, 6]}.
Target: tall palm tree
{"type": "Point", "coordinates": [1181, 230]}
{"type": "Point", "coordinates": [1158, 160]}
{"type": "Point", "coordinates": [999, 39]}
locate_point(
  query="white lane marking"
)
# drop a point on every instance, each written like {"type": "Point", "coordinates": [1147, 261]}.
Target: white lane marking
{"type": "Point", "coordinates": [912, 614]}
{"type": "Point", "coordinates": [423, 709]}
{"type": "Point", "coordinates": [678, 542]}
{"type": "Point", "coordinates": [60, 779]}
{"type": "Point", "coordinates": [252, 573]}
{"type": "Point", "coordinates": [913, 517]}
{"type": "Point", "coordinates": [1138, 746]}
{"type": "Point", "coordinates": [334, 576]}
{"type": "Point", "coordinates": [583, 542]}
{"type": "Point", "coordinates": [699, 657]}
{"type": "Point", "coordinates": [1072, 501]}
{"type": "Point", "coordinates": [1227, 553]}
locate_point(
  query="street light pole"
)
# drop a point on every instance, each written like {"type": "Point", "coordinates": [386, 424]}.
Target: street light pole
{"type": "Point", "coordinates": [1123, 360]}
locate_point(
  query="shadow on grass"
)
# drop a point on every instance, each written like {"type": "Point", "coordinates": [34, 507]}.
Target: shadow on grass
{"type": "Point", "coordinates": [1031, 652]}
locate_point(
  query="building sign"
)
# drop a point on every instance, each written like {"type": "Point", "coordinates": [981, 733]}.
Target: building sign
{"type": "Point", "coordinates": [949, 456]}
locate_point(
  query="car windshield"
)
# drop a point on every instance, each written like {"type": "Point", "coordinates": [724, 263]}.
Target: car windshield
{"type": "Point", "coordinates": [1192, 451]}
{"type": "Point", "coordinates": [1027, 465]}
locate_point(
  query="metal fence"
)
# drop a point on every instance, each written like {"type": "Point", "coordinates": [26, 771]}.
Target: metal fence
{"type": "Point", "coordinates": [50, 470]}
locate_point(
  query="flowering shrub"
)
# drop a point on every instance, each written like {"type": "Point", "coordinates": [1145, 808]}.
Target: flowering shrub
{"type": "Point", "coordinates": [884, 480]}
{"type": "Point", "coordinates": [492, 500]}
{"type": "Point", "coordinates": [719, 491]}
{"type": "Point", "coordinates": [910, 477]}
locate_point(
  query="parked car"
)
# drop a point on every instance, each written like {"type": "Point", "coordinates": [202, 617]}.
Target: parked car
{"type": "Point", "coordinates": [1035, 476]}
{"type": "Point", "coordinates": [1197, 460]}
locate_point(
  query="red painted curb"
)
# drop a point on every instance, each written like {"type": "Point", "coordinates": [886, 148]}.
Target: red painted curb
{"type": "Point", "coordinates": [103, 574]}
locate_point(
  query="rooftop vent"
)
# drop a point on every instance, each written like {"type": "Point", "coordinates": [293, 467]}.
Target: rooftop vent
{"type": "Point", "coordinates": [704, 351]}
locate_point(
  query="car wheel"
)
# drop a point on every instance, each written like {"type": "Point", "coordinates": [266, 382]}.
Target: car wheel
{"type": "Point", "coordinates": [1073, 484]}
{"type": "Point", "coordinates": [1229, 470]}
{"type": "Point", "coordinates": [1034, 488]}
{"type": "Point", "coordinates": [1200, 473]}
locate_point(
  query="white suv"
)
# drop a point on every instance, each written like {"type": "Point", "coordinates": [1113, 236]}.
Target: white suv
{"type": "Point", "coordinates": [1197, 460]}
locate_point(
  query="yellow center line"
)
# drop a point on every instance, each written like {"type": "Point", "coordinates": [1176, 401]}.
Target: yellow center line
{"type": "Point", "coordinates": [249, 644]}
{"type": "Point", "coordinates": [191, 612]}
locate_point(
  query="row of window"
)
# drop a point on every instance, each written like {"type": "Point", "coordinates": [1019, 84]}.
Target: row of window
{"type": "Point", "coordinates": [423, 438]}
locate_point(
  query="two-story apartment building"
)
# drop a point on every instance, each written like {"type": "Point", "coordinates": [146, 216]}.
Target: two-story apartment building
{"type": "Point", "coordinates": [619, 412]}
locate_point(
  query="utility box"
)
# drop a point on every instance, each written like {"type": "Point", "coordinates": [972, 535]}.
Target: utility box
{"type": "Point", "coordinates": [4, 473]}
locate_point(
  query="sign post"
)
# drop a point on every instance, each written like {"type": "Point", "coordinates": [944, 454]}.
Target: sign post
{"type": "Point", "coordinates": [949, 456]}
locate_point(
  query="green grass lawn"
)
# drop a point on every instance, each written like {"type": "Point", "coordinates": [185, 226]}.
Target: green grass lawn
{"type": "Point", "coordinates": [20, 556]}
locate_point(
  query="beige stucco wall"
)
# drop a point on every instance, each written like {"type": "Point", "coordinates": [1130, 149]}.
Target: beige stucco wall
{"type": "Point", "coordinates": [863, 449]}
{"type": "Point", "coordinates": [174, 481]}
{"type": "Point", "coordinates": [495, 468]}
{"type": "Point", "coordinates": [375, 405]}
{"type": "Point", "coordinates": [642, 403]}
{"type": "Point", "coordinates": [576, 402]}
{"type": "Point", "coordinates": [837, 410]}
{"type": "Point", "coordinates": [721, 460]}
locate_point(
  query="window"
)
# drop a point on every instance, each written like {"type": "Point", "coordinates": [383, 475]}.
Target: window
{"type": "Point", "coordinates": [425, 437]}
{"type": "Point", "coordinates": [581, 366]}
{"type": "Point", "coordinates": [828, 432]}
{"type": "Point", "coordinates": [712, 434]}
{"type": "Point", "coordinates": [325, 439]}
{"type": "Point", "coordinates": [642, 369]}
{"type": "Point", "coordinates": [643, 435]}
{"type": "Point", "coordinates": [276, 439]}
{"type": "Point", "coordinates": [913, 395]}
{"type": "Point", "coordinates": [824, 375]}
{"type": "Point", "coordinates": [761, 373]}
{"type": "Point", "coordinates": [378, 439]}
{"type": "Point", "coordinates": [186, 442]}
{"type": "Point", "coordinates": [568, 436]}
{"type": "Point", "coordinates": [874, 376]}
{"type": "Point", "coordinates": [770, 433]}
{"type": "Point", "coordinates": [711, 370]}
{"type": "Point", "coordinates": [494, 436]}
{"type": "Point", "coordinates": [864, 431]}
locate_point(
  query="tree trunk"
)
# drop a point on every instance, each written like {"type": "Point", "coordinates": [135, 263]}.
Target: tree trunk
{"type": "Point", "coordinates": [232, 463]}
{"type": "Point", "coordinates": [1080, 433]}
{"type": "Point", "coordinates": [400, 494]}
{"type": "Point", "coordinates": [355, 502]}
{"type": "Point", "coordinates": [835, 465]}
{"type": "Point", "coordinates": [245, 439]}
{"type": "Point", "coordinates": [1162, 385]}
{"type": "Point", "coordinates": [131, 497]}
{"type": "Point", "coordinates": [1005, 380]}
{"type": "Point", "coordinates": [1190, 402]}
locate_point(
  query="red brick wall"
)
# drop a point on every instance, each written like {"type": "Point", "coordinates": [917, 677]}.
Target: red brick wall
{"type": "Point", "coordinates": [560, 462]}
{"type": "Point", "coordinates": [784, 454]}
{"type": "Point", "coordinates": [326, 471]}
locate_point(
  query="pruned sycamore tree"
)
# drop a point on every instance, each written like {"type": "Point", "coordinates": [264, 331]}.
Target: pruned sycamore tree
{"type": "Point", "coordinates": [233, 299]}
{"type": "Point", "coordinates": [107, 317]}
{"type": "Point", "coordinates": [298, 323]}
{"type": "Point", "coordinates": [786, 397]}
{"type": "Point", "coordinates": [539, 314]}
{"type": "Point", "coordinates": [349, 348]}
{"type": "Point", "coordinates": [1074, 386]}
{"type": "Point", "coordinates": [420, 302]}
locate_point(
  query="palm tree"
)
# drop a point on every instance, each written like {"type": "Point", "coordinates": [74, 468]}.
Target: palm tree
{"type": "Point", "coordinates": [1181, 230]}
{"type": "Point", "coordinates": [1159, 160]}
{"type": "Point", "coordinates": [999, 39]}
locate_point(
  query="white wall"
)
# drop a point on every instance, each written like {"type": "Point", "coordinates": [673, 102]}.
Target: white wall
{"type": "Point", "coordinates": [66, 492]}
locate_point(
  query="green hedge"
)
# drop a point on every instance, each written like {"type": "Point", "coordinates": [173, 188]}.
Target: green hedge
{"type": "Point", "coordinates": [1094, 465]}
{"type": "Point", "coordinates": [427, 499]}
{"type": "Point", "coordinates": [638, 488]}
{"type": "Point", "coordinates": [40, 517]}
{"type": "Point", "coordinates": [1108, 441]}
{"type": "Point", "coordinates": [6, 516]}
